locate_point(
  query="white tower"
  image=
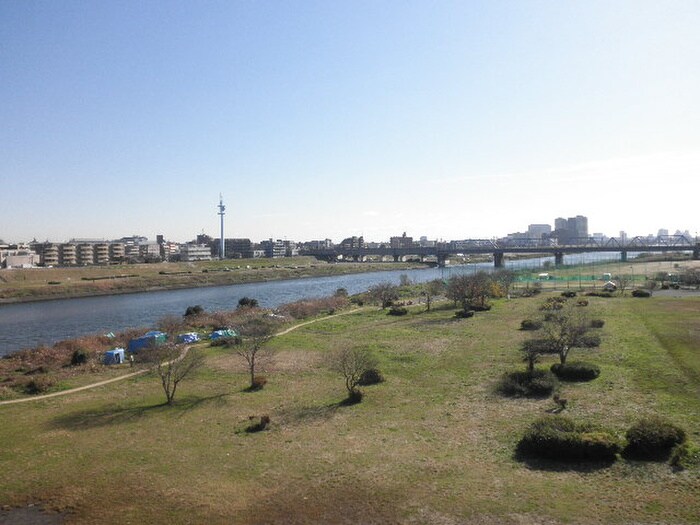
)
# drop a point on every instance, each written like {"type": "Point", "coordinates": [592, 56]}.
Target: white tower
{"type": "Point", "coordinates": [222, 212]}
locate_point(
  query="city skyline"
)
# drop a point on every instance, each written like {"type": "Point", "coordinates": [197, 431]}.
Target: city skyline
{"type": "Point", "coordinates": [319, 120]}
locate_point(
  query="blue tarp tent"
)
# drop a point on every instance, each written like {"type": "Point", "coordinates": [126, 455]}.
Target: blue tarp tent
{"type": "Point", "coordinates": [114, 357]}
{"type": "Point", "coordinates": [191, 337]}
{"type": "Point", "coordinates": [218, 334]}
{"type": "Point", "coordinates": [147, 340]}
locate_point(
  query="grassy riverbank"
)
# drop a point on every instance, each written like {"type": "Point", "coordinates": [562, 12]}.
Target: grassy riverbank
{"type": "Point", "coordinates": [432, 444]}
{"type": "Point", "coordinates": [33, 284]}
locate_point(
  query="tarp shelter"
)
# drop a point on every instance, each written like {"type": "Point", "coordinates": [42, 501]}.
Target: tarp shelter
{"type": "Point", "coordinates": [114, 357]}
{"type": "Point", "coordinates": [191, 337]}
{"type": "Point", "coordinates": [218, 334]}
{"type": "Point", "coordinates": [147, 340]}
{"type": "Point", "coordinates": [610, 286]}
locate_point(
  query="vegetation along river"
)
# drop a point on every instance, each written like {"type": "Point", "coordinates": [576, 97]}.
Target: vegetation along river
{"type": "Point", "coordinates": [27, 325]}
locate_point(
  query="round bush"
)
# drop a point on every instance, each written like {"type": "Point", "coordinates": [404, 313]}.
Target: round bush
{"type": "Point", "coordinates": [641, 293]}
{"type": "Point", "coordinates": [397, 310]}
{"type": "Point", "coordinates": [79, 357]}
{"type": "Point", "coordinates": [480, 307]}
{"type": "Point", "coordinates": [653, 438]}
{"type": "Point", "coordinates": [577, 371]}
{"type": "Point", "coordinates": [530, 324]}
{"type": "Point", "coordinates": [464, 314]}
{"type": "Point", "coordinates": [541, 383]}
{"type": "Point", "coordinates": [589, 341]}
{"type": "Point", "coordinates": [371, 376]}
{"type": "Point", "coordinates": [568, 294]}
{"type": "Point", "coordinates": [597, 323]}
{"type": "Point", "coordinates": [560, 438]}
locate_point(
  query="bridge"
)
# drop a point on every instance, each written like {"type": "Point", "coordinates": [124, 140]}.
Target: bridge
{"type": "Point", "coordinates": [498, 248]}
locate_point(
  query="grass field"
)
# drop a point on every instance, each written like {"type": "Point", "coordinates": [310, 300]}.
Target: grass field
{"type": "Point", "coordinates": [432, 444]}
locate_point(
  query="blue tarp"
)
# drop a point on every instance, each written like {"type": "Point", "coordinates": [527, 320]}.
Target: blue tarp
{"type": "Point", "coordinates": [191, 337]}
{"type": "Point", "coordinates": [148, 340]}
{"type": "Point", "coordinates": [218, 334]}
{"type": "Point", "coordinates": [114, 357]}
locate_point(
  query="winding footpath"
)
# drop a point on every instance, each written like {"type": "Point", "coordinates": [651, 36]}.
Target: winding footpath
{"type": "Point", "coordinates": [145, 370]}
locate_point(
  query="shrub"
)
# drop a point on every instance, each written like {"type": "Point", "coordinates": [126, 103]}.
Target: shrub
{"type": "Point", "coordinates": [685, 455]}
{"type": "Point", "coordinates": [582, 302]}
{"type": "Point", "coordinates": [371, 376]}
{"type": "Point", "coordinates": [589, 341]}
{"type": "Point", "coordinates": [561, 439]}
{"type": "Point", "coordinates": [38, 385]}
{"type": "Point", "coordinates": [194, 310]}
{"type": "Point", "coordinates": [577, 371]}
{"type": "Point", "coordinates": [530, 324]}
{"type": "Point", "coordinates": [464, 314]}
{"type": "Point", "coordinates": [480, 307]}
{"type": "Point", "coordinates": [641, 293]}
{"type": "Point", "coordinates": [597, 323]}
{"type": "Point", "coordinates": [653, 438]}
{"type": "Point", "coordinates": [258, 383]}
{"type": "Point", "coordinates": [247, 302]}
{"type": "Point", "coordinates": [79, 357]}
{"type": "Point", "coordinates": [522, 384]}
{"type": "Point", "coordinates": [397, 310]}
{"type": "Point", "coordinates": [257, 426]}
{"type": "Point", "coordinates": [568, 294]}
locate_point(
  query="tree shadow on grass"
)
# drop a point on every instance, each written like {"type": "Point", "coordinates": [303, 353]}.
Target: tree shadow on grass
{"type": "Point", "coordinates": [111, 414]}
{"type": "Point", "coordinates": [303, 415]}
{"type": "Point", "coordinates": [550, 465]}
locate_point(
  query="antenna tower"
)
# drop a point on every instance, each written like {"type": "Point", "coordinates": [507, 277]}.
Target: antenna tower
{"type": "Point", "coordinates": [222, 212]}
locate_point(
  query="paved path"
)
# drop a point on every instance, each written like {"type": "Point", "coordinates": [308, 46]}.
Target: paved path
{"type": "Point", "coordinates": [139, 372]}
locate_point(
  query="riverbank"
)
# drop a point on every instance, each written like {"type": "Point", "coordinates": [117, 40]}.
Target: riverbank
{"type": "Point", "coordinates": [41, 284]}
{"type": "Point", "coordinates": [433, 443]}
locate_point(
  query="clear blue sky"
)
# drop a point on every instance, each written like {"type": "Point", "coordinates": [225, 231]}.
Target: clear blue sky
{"type": "Point", "coordinates": [331, 119]}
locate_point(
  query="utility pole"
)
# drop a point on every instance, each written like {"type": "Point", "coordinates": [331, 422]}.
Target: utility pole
{"type": "Point", "coordinates": [222, 212]}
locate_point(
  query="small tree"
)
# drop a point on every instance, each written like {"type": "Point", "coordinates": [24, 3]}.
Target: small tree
{"type": "Point", "coordinates": [623, 282]}
{"type": "Point", "coordinates": [173, 365]}
{"type": "Point", "coordinates": [352, 362]}
{"type": "Point", "coordinates": [432, 289]}
{"type": "Point", "coordinates": [255, 331]}
{"type": "Point", "coordinates": [563, 330]}
{"type": "Point", "coordinates": [384, 293]}
{"type": "Point", "coordinates": [247, 302]}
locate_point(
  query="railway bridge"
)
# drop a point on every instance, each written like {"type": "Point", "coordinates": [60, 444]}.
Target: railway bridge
{"type": "Point", "coordinates": [441, 252]}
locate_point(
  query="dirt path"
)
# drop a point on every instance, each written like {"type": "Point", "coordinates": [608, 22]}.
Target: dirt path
{"type": "Point", "coordinates": [139, 372]}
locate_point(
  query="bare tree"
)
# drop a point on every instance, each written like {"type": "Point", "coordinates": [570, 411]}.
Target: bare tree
{"type": "Point", "coordinates": [351, 362]}
{"type": "Point", "coordinates": [563, 330]}
{"type": "Point", "coordinates": [432, 289]}
{"type": "Point", "coordinates": [255, 331]}
{"type": "Point", "coordinates": [470, 290]}
{"type": "Point", "coordinates": [384, 293]}
{"type": "Point", "coordinates": [174, 364]}
{"type": "Point", "coordinates": [623, 282]}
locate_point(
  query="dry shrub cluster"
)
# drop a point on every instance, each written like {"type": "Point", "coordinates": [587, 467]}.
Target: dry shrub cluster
{"type": "Point", "coordinates": [313, 307]}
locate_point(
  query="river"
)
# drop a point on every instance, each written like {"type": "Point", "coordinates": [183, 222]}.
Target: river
{"type": "Point", "coordinates": [27, 325]}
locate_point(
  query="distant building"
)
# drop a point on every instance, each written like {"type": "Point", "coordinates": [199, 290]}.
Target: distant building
{"type": "Point", "coordinates": [353, 243]}
{"type": "Point", "coordinates": [274, 249]}
{"type": "Point", "coordinates": [195, 252]}
{"type": "Point", "coordinates": [401, 242]}
{"type": "Point", "coordinates": [538, 231]}
{"type": "Point", "coordinates": [18, 258]}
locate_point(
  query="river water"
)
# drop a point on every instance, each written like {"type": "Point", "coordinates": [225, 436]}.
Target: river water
{"type": "Point", "coordinates": [27, 325]}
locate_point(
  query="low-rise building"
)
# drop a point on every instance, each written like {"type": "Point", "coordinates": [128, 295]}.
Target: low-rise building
{"type": "Point", "coordinates": [195, 252]}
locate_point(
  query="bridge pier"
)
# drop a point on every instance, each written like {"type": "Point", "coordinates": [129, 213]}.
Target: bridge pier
{"type": "Point", "coordinates": [696, 252]}
{"type": "Point", "coordinates": [558, 258]}
{"type": "Point", "coordinates": [441, 260]}
{"type": "Point", "coordinates": [623, 256]}
{"type": "Point", "coordinates": [498, 260]}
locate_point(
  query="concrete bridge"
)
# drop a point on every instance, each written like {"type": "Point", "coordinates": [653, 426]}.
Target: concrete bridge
{"type": "Point", "coordinates": [498, 248]}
